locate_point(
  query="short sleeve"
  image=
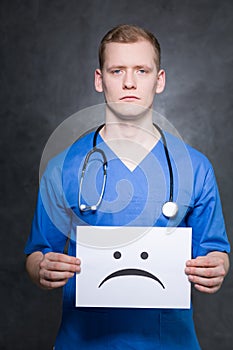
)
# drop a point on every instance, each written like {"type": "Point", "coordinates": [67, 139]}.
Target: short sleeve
{"type": "Point", "coordinates": [206, 218]}
{"type": "Point", "coordinates": [52, 221]}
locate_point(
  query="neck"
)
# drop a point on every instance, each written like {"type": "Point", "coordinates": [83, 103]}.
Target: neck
{"type": "Point", "coordinates": [139, 130]}
{"type": "Point", "coordinates": [121, 133]}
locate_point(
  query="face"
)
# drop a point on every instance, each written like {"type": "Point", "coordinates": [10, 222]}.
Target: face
{"type": "Point", "coordinates": [129, 78]}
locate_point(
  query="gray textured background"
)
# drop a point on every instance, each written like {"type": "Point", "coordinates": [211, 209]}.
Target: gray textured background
{"type": "Point", "coordinates": [48, 56]}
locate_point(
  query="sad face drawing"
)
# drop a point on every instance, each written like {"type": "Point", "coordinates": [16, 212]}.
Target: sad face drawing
{"type": "Point", "coordinates": [146, 271]}
{"type": "Point", "coordinates": [131, 271]}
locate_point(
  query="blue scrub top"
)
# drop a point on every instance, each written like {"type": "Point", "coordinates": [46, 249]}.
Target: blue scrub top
{"type": "Point", "coordinates": [132, 198]}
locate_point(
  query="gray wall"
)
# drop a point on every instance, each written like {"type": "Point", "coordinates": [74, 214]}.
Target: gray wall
{"type": "Point", "coordinates": [48, 55]}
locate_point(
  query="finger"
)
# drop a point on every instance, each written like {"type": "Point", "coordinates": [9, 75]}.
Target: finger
{"type": "Point", "coordinates": [59, 266]}
{"type": "Point", "coordinates": [58, 257]}
{"type": "Point", "coordinates": [206, 282]}
{"type": "Point", "coordinates": [60, 262]}
{"type": "Point", "coordinates": [208, 290]}
{"type": "Point", "coordinates": [52, 284]}
{"type": "Point", "coordinates": [55, 276]}
{"type": "Point", "coordinates": [207, 272]}
{"type": "Point", "coordinates": [205, 261]}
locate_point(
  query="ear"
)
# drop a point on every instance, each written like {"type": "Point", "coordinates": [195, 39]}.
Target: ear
{"type": "Point", "coordinates": [161, 79]}
{"type": "Point", "coordinates": [98, 81]}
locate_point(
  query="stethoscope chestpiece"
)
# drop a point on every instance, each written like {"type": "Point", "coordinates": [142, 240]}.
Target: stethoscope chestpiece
{"type": "Point", "coordinates": [170, 209]}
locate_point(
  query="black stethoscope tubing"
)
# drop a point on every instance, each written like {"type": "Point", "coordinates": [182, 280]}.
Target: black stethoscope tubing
{"type": "Point", "coordinates": [169, 208]}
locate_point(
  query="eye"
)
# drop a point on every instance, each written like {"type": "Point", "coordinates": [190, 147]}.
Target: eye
{"type": "Point", "coordinates": [117, 255]}
{"type": "Point", "coordinates": [144, 255]}
{"type": "Point", "coordinates": [116, 71]}
{"type": "Point", "coordinates": [141, 71]}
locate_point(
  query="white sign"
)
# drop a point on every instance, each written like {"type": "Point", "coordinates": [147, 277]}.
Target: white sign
{"type": "Point", "coordinates": [145, 272]}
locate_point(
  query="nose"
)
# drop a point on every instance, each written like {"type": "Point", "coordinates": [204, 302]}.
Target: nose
{"type": "Point", "coordinates": [129, 81]}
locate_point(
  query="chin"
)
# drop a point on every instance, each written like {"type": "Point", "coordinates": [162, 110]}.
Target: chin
{"type": "Point", "coordinates": [128, 110]}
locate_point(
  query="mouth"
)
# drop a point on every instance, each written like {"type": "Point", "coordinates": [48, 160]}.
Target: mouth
{"type": "Point", "coordinates": [129, 98]}
{"type": "Point", "coordinates": [131, 272]}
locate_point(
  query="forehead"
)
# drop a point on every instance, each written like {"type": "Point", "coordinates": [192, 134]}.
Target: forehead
{"type": "Point", "coordinates": [138, 53]}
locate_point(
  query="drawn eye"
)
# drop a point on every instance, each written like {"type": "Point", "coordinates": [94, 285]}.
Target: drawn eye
{"type": "Point", "coordinates": [117, 255]}
{"type": "Point", "coordinates": [144, 255]}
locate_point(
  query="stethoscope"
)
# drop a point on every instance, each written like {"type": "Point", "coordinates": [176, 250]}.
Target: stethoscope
{"type": "Point", "coordinates": [169, 208]}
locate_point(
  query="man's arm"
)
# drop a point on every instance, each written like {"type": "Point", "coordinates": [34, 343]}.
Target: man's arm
{"type": "Point", "coordinates": [51, 270]}
{"type": "Point", "coordinates": [207, 273]}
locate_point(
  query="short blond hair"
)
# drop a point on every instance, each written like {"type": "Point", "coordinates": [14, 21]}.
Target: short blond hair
{"type": "Point", "coordinates": [126, 33]}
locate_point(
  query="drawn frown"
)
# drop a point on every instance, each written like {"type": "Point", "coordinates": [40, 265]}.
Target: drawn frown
{"type": "Point", "coordinates": [131, 271]}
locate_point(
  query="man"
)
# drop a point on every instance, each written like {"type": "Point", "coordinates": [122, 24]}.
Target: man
{"type": "Point", "coordinates": [130, 77]}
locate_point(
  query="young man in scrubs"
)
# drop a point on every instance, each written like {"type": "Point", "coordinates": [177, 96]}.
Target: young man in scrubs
{"type": "Point", "coordinates": [129, 76]}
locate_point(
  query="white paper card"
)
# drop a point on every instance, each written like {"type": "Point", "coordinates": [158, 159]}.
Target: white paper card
{"type": "Point", "coordinates": [146, 271]}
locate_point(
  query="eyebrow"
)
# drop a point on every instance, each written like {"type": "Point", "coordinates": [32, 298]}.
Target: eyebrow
{"type": "Point", "coordinates": [115, 66]}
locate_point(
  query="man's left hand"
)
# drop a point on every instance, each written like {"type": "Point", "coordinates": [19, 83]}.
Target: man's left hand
{"type": "Point", "coordinates": [207, 272]}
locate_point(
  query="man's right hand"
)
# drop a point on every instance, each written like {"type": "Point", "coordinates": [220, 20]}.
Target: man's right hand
{"type": "Point", "coordinates": [52, 270]}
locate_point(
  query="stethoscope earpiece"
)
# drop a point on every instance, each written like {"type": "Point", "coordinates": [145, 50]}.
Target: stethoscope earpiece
{"type": "Point", "coordinates": [82, 207]}
{"type": "Point", "coordinates": [93, 207]}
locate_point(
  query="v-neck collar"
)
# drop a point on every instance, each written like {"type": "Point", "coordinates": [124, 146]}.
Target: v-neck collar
{"type": "Point", "coordinates": [111, 154]}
